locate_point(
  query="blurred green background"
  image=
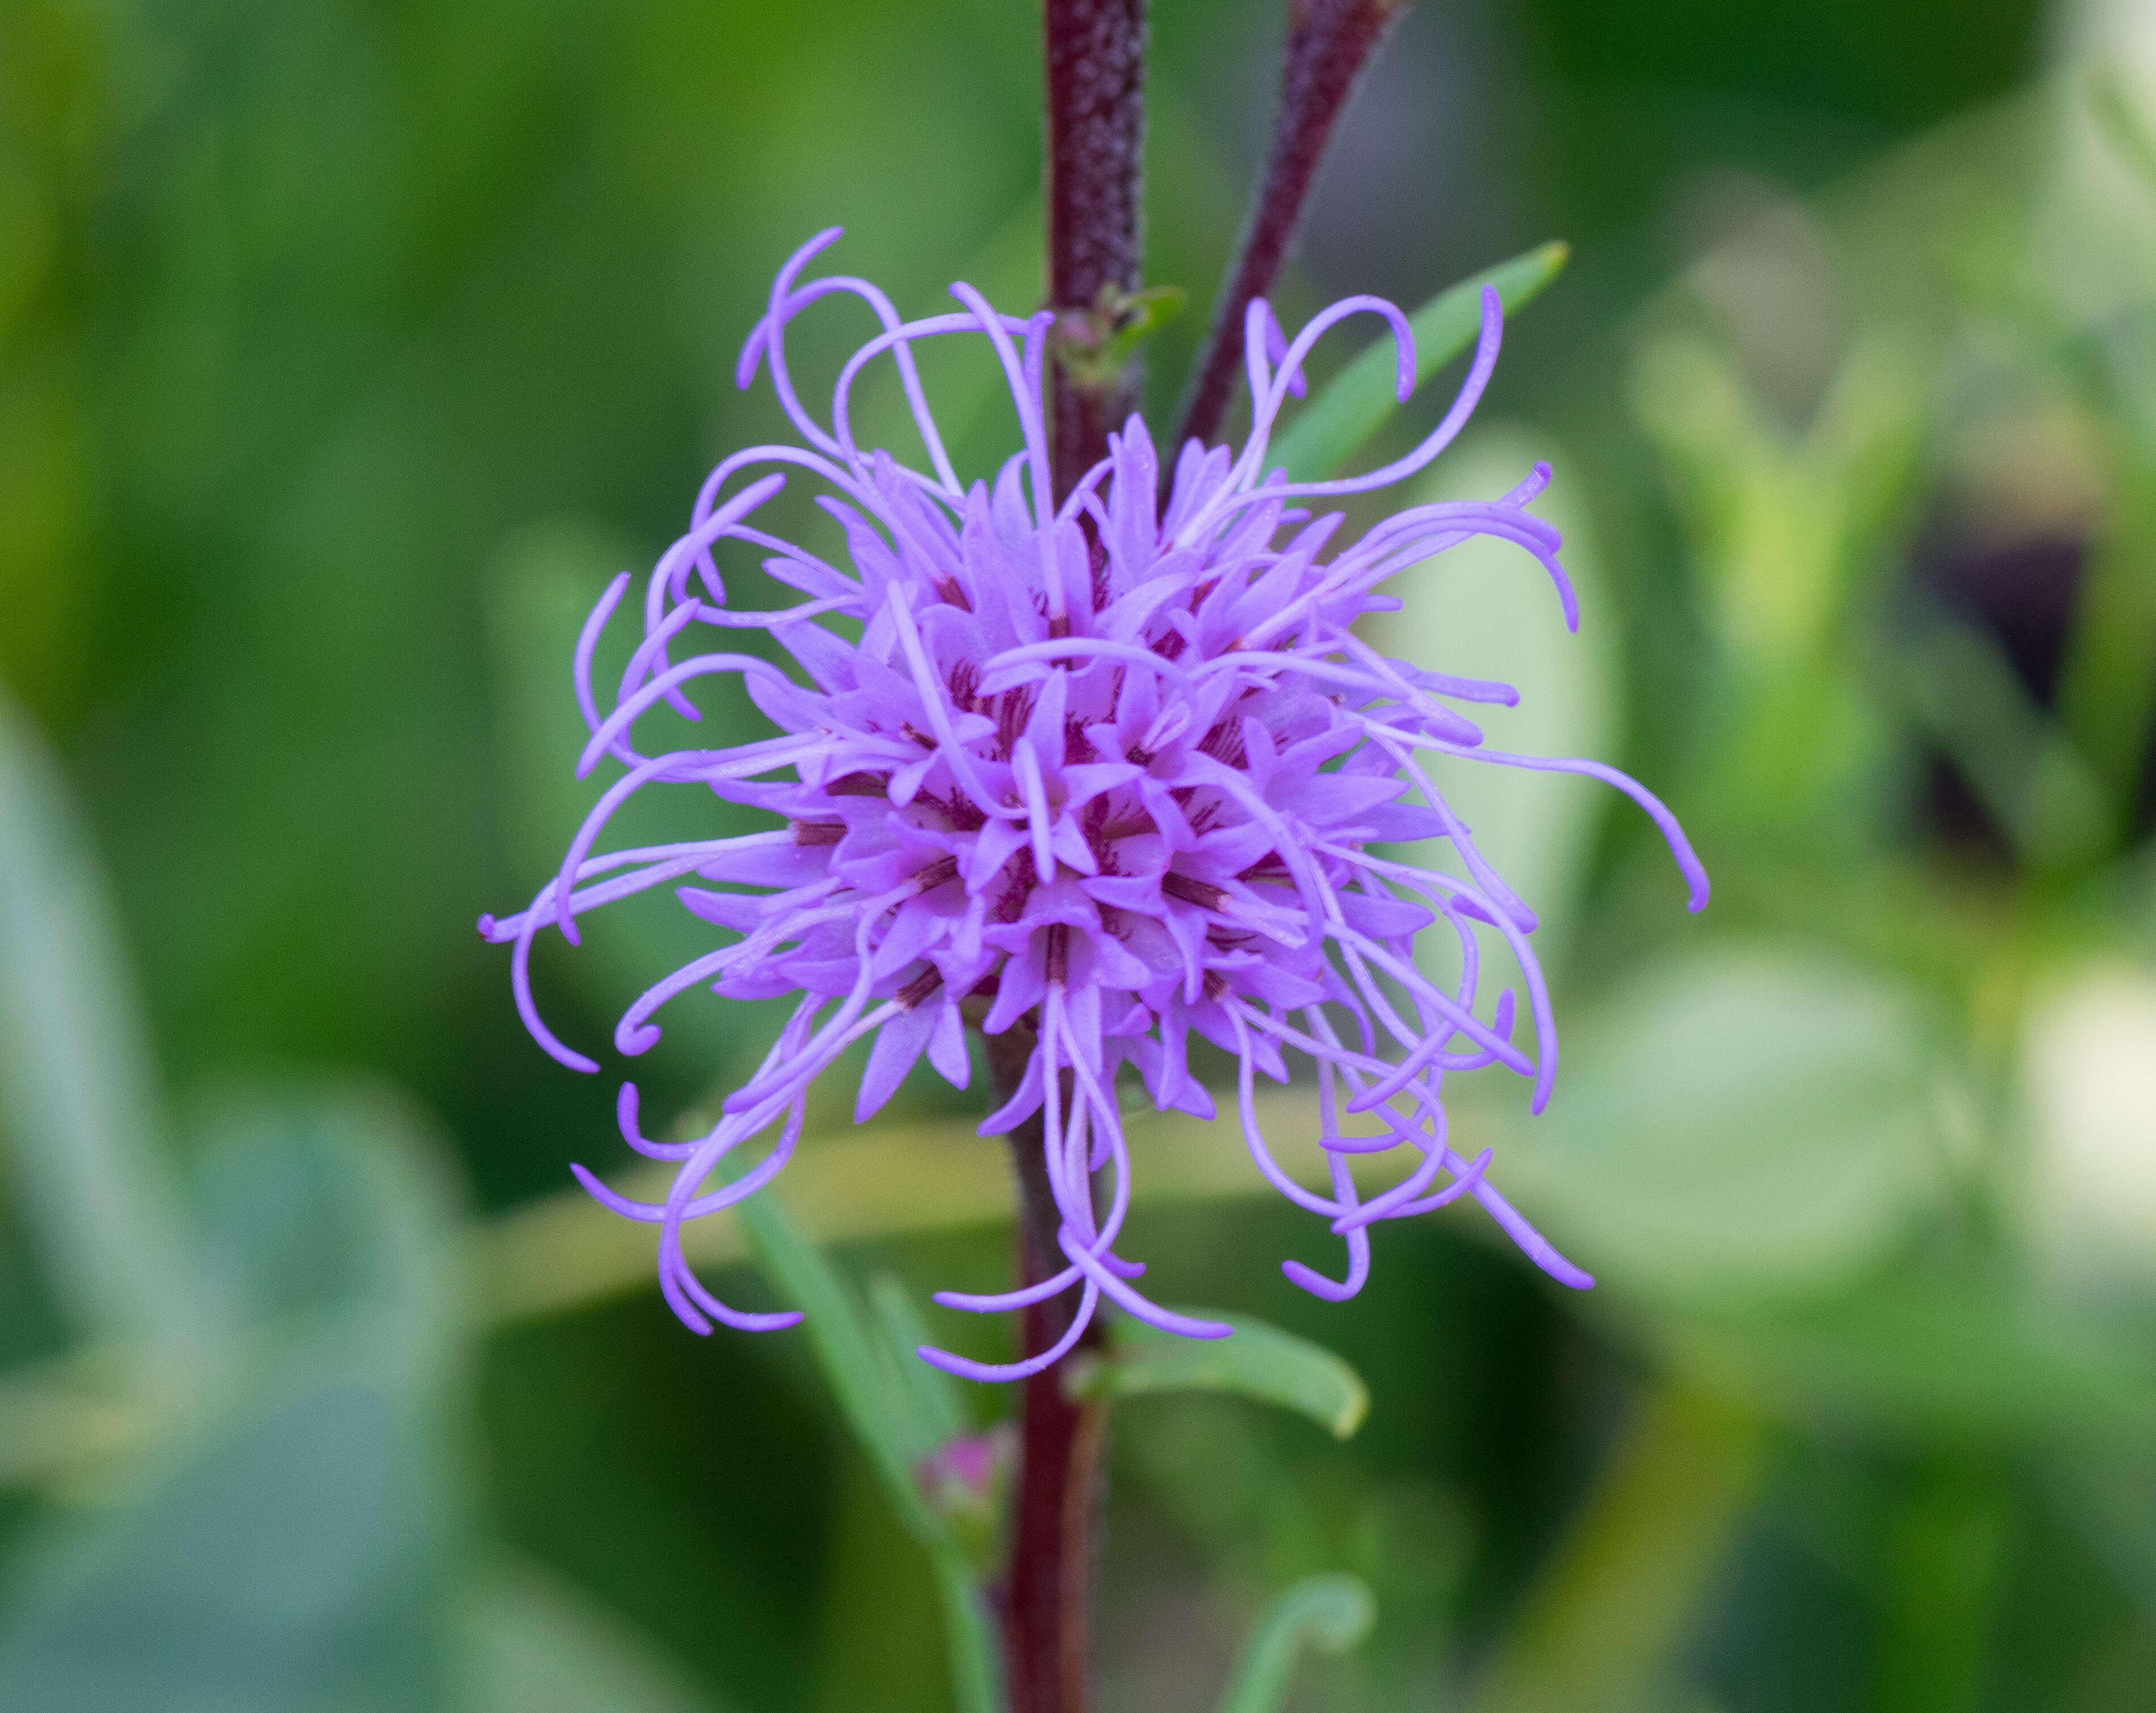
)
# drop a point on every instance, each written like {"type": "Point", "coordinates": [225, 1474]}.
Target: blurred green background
{"type": "Point", "coordinates": [346, 348]}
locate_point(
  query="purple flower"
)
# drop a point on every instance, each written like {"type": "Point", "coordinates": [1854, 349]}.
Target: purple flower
{"type": "Point", "coordinates": [1106, 772]}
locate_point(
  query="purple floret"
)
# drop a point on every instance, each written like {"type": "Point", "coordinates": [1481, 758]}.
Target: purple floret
{"type": "Point", "coordinates": [1107, 773]}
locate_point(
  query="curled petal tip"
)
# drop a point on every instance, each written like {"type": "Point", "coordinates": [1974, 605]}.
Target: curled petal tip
{"type": "Point", "coordinates": [1556, 1266]}
{"type": "Point", "coordinates": [570, 1057]}
{"type": "Point", "coordinates": [640, 1039]}
{"type": "Point", "coordinates": [1317, 1283]}
{"type": "Point", "coordinates": [751, 356]}
{"type": "Point", "coordinates": [594, 1185]}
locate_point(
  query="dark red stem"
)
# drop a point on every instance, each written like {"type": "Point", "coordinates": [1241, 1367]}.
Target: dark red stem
{"type": "Point", "coordinates": [1096, 109]}
{"type": "Point", "coordinates": [1329, 42]}
{"type": "Point", "coordinates": [1048, 1590]}
{"type": "Point", "coordinates": [1095, 52]}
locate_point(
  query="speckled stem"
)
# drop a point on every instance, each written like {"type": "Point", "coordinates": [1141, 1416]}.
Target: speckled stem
{"type": "Point", "coordinates": [1048, 1589]}
{"type": "Point", "coordinates": [1096, 54]}
{"type": "Point", "coordinates": [1329, 42]}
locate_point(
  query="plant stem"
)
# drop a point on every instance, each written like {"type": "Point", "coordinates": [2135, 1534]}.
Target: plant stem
{"type": "Point", "coordinates": [1095, 109]}
{"type": "Point", "coordinates": [1095, 51]}
{"type": "Point", "coordinates": [1048, 1591]}
{"type": "Point", "coordinates": [1329, 42]}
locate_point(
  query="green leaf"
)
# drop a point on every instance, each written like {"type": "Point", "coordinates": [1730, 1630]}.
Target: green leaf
{"type": "Point", "coordinates": [1360, 399]}
{"type": "Point", "coordinates": [293, 1543]}
{"type": "Point", "coordinates": [862, 1379]}
{"type": "Point", "coordinates": [1740, 1125]}
{"type": "Point", "coordinates": [890, 1423]}
{"type": "Point", "coordinates": [935, 1402]}
{"type": "Point", "coordinates": [1259, 1361]}
{"type": "Point", "coordinates": [1331, 1613]}
{"type": "Point", "coordinates": [1095, 345]}
{"type": "Point", "coordinates": [80, 1100]}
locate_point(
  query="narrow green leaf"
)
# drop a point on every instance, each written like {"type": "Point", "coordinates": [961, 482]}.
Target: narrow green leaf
{"type": "Point", "coordinates": [1094, 346]}
{"type": "Point", "coordinates": [80, 1102]}
{"type": "Point", "coordinates": [866, 1385]}
{"type": "Point", "coordinates": [1260, 1362]}
{"type": "Point", "coordinates": [936, 1404]}
{"type": "Point", "coordinates": [969, 1634]}
{"type": "Point", "coordinates": [1331, 1613]}
{"type": "Point", "coordinates": [1359, 400]}
{"type": "Point", "coordinates": [891, 1426]}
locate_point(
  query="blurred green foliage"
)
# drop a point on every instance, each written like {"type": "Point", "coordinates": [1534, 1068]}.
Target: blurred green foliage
{"type": "Point", "coordinates": [347, 345]}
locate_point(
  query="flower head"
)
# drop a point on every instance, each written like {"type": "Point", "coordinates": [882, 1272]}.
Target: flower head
{"type": "Point", "coordinates": [1106, 772]}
